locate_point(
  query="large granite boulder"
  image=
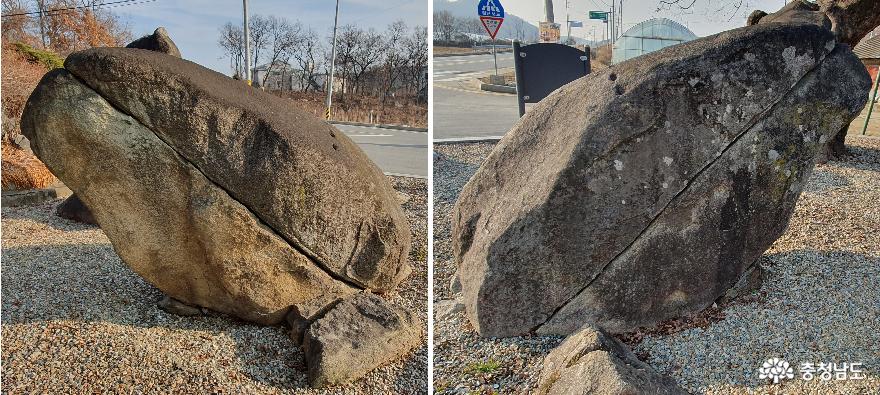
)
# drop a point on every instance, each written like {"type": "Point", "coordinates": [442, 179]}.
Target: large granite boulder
{"type": "Point", "coordinates": [591, 362]}
{"type": "Point", "coordinates": [220, 195]}
{"type": "Point", "coordinates": [299, 175]}
{"type": "Point", "coordinates": [643, 192]}
{"type": "Point", "coordinates": [165, 219]}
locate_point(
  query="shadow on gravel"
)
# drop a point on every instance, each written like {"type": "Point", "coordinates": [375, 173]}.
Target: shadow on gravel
{"type": "Point", "coordinates": [90, 284]}
{"type": "Point", "coordinates": [814, 306]}
{"type": "Point", "coordinates": [45, 213]}
{"type": "Point", "coordinates": [830, 179]}
{"type": "Point", "coordinates": [46, 286]}
{"type": "Point", "coordinates": [861, 158]}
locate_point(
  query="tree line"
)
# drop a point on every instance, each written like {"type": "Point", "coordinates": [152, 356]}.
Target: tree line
{"type": "Point", "coordinates": [368, 62]}
{"type": "Point", "coordinates": [454, 30]}
{"type": "Point", "coordinates": [65, 26]}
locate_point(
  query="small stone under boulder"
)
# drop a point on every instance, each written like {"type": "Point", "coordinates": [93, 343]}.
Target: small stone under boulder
{"type": "Point", "coordinates": [74, 209]}
{"type": "Point", "coordinates": [359, 334]}
{"type": "Point", "coordinates": [302, 316]}
{"type": "Point", "coordinates": [592, 362]}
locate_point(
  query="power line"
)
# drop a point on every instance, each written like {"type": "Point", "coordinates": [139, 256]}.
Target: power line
{"type": "Point", "coordinates": [112, 4]}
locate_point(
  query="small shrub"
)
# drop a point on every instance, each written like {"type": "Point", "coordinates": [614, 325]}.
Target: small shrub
{"type": "Point", "coordinates": [48, 59]}
{"type": "Point", "coordinates": [22, 170]}
{"type": "Point", "coordinates": [484, 367]}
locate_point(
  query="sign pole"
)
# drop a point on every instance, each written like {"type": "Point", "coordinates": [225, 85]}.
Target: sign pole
{"type": "Point", "coordinates": [495, 55]}
{"type": "Point", "coordinates": [491, 14]}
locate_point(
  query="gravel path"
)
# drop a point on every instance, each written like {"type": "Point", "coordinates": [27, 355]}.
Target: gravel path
{"type": "Point", "coordinates": [819, 303]}
{"type": "Point", "coordinates": [75, 319]}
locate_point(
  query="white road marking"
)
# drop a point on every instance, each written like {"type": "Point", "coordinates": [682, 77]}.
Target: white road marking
{"type": "Point", "coordinates": [457, 76]}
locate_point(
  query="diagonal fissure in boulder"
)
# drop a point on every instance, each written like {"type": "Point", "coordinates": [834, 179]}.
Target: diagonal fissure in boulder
{"type": "Point", "coordinates": [743, 131]}
{"type": "Point", "coordinates": [301, 176]}
{"type": "Point", "coordinates": [294, 244]}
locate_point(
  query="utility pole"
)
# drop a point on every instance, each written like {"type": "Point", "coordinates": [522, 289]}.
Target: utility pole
{"type": "Point", "coordinates": [42, 24]}
{"type": "Point", "coordinates": [247, 45]}
{"type": "Point", "coordinates": [621, 17]}
{"type": "Point", "coordinates": [567, 23]}
{"type": "Point", "coordinates": [613, 20]}
{"type": "Point", "coordinates": [548, 10]}
{"type": "Point", "coordinates": [332, 65]}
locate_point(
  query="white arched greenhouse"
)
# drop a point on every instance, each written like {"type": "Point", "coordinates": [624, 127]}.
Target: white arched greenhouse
{"type": "Point", "coordinates": [649, 36]}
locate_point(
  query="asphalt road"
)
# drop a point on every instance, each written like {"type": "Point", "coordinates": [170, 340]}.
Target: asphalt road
{"type": "Point", "coordinates": [452, 67]}
{"type": "Point", "coordinates": [397, 152]}
{"type": "Point", "coordinates": [462, 112]}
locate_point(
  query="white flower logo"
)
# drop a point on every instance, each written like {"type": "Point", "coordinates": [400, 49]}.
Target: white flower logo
{"type": "Point", "coordinates": [776, 369]}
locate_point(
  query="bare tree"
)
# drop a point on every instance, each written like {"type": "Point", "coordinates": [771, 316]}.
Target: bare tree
{"type": "Point", "coordinates": [20, 27]}
{"type": "Point", "coordinates": [471, 25]}
{"type": "Point", "coordinates": [394, 57]}
{"type": "Point", "coordinates": [416, 47]}
{"type": "Point", "coordinates": [307, 55]}
{"type": "Point", "coordinates": [282, 39]}
{"type": "Point", "coordinates": [347, 42]}
{"type": "Point", "coordinates": [366, 54]}
{"type": "Point", "coordinates": [259, 35]}
{"type": "Point", "coordinates": [231, 40]}
{"type": "Point", "coordinates": [445, 25]}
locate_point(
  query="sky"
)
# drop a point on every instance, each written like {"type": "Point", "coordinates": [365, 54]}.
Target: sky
{"type": "Point", "coordinates": [194, 25]}
{"type": "Point", "coordinates": [706, 17]}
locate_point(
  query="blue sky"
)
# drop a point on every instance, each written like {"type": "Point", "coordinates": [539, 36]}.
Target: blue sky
{"type": "Point", "coordinates": [194, 24]}
{"type": "Point", "coordinates": [705, 18]}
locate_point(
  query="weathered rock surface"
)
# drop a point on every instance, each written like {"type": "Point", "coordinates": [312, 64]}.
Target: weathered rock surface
{"type": "Point", "coordinates": [167, 220]}
{"type": "Point", "coordinates": [74, 209]}
{"type": "Point", "coordinates": [301, 177]}
{"type": "Point", "coordinates": [303, 315]}
{"type": "Point", "coordinates": [592, 362]}
{"type": "Point", "coordinates": [643, 192]}
{"type": "Point", "coordinates": [793, 12]}
{"type": "Point", "coordinates": [159, 41]}
{"type": "Point", "coordinates": [850, 20]}
{"type": "Point", "coordinates": [359, 334]}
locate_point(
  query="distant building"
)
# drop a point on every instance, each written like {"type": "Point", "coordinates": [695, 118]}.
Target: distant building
{"type": "Point", "coordinates": [649, 36]}
{"type": "Point", "coordinates": [868, 50]}
{"type": "Point", "coordinates": [285, 77]}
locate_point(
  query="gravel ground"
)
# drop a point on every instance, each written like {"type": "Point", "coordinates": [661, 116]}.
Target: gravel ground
{"type": "Point", "coordinates": [819, 302]}
{"type": "Point", "coordinates": [75, 319]}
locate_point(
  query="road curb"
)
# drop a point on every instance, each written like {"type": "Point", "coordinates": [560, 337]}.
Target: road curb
{"type": "Point", "coordinates": [468, 140]}
{"type": "Point", "coordinates": [382, 126]}
{"type": "Point", "coordinates": [498, 88]}
{"type": "Point", "coordinates": [31, 197]}
{"type": "Point", "coordinates": [406, 175]}
{"type": "Point", "coordinates": [449, 55]}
